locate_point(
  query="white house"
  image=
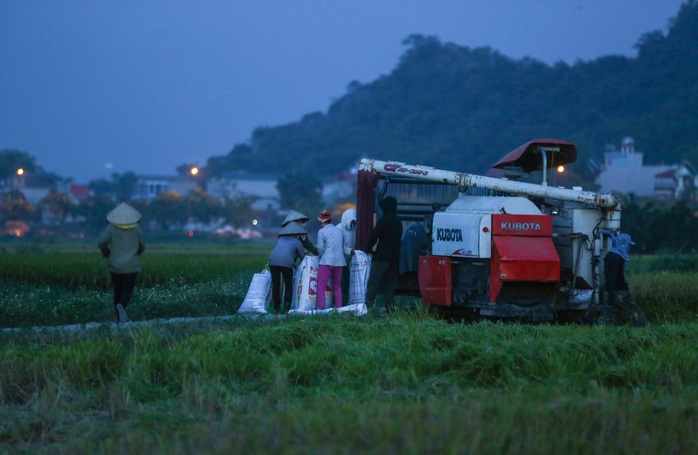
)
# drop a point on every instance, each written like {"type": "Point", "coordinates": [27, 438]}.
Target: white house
{"type": "Point", "coordinates": [149, 187]}
{"type": "Point", "coordinates": [239, 184]}
{"type": "Point", "coordinates": [343, 186]}
{"type": "Point", "coordinates": [623, 171]}
{"type": "Point", "coordinates": [263, 188]}
{"type": "Point", "coordinates": [678, 183]}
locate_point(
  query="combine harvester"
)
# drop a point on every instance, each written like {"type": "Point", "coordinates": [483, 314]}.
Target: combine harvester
{"type": "Point", "coordinates": [485, 247]}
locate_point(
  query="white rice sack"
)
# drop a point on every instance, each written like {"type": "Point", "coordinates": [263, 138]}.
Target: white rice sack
{"type": "Point", "coordinates": [582, 296]}
{"type": "Point", "coordinates": [258, 294]}
{"type": "Point", "coordinates": [357, 309]}
{"type": "Point", "coordinates": [329, 295]}
{"type": "Point", "coordinates": [298, 282]}
{"type": "Point", "coordinates": [305, 288]}
{"type": "Point", "coordinates": [359, 271]}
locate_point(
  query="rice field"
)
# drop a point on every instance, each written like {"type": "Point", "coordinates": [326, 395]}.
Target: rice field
{"type": "Point", "coordinates": [58, 284]}
{"type": "Point", "coordinates": [409, 383]}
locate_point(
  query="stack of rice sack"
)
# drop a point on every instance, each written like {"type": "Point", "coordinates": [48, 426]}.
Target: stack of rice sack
{"type": "Point", "coordinates": [305, 287]}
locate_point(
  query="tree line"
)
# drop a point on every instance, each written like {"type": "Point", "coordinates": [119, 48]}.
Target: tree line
{"type": "Point", "coordinates": [655, 225]}
{"type": "Point", "coordinates": [461, 108]}
{"type": "Point", "coordinates": [59, 214]}
{"type": "Point", "coordinates": [57, 211]}
{"type": "Point", "coordinates": [658, 227]}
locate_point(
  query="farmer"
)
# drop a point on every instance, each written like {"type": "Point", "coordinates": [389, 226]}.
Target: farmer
{"type": "Point", "coordinates": [300, 219]}
{"type": "Point", "coordinates": [618, 296]}
{"type": "Point", "coordinates": [384, 266]}
{"type": "Point", "coordinates": [330, 244]}
{"type": "Point", "coordinates": [121, 244]}
{"type": "Point", "coordinates": [281, 264]}
{"type": "Point", "coordinates": [348, 228]}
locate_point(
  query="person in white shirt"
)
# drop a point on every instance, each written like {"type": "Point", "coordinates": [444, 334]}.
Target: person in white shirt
{"type": "Point", "coordinates": [330, 245]}
{"type": "Point", "coordinates": [348, 228]}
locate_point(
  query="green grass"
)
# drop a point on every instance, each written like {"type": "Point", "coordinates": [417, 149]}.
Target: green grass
{"type": "Point", "coordinates": [337, 384]}
{"type": "Point", "coordinates": [70, 284]}
{"type": "Point", "coordinates": [60, 284]}
{"type": "Point", "coordinates": [330, 384]}
{"type": "Point", "coordinates": [667, 296]}
{"type": "Point", "coordinates": [75, 266]}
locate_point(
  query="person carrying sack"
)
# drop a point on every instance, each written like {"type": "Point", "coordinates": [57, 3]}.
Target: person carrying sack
{"type": "Point", "coordinates": [282, 261]}
{"type": "Point", "coordinates": [300, 220]}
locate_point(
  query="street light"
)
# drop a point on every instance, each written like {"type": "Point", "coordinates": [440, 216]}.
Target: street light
{"type": "Point", "coordinates": [17, 181]}
{"type": "Point", "coordinates": [194, 171]}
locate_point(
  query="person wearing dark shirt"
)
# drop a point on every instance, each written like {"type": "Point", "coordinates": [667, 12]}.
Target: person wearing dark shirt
{"type": "Point", "coordinates": [618, 296]}
{"type": "Point", "coordinates": [385, 236]}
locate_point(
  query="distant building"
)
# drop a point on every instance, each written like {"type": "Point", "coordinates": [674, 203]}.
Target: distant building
{"type": "Point", "coordinates": [677, 183]}
{"type": "Point", "coordinates": [34, 195]}
{"type": "Point", "coordinates": [343, 186]}
{"type": "Point", "coordinates": [623, 171]}
{"type": "Point", "coordinates": [263, 188]}
{"type": "Point", "coordinates": [150, 187]}
{"type": "Point", "coordinates": [12, 182]}
{"type": "Point", "coordinates": [233, 185]}
{"type": "Point", "coordinates": [79, 193]}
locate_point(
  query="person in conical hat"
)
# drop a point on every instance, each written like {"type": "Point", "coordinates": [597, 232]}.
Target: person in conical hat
{"type": "Point", "coordinates": [300, 219]}
{"type": "Point", "coordinates": [124, 214]}
{"type": "Point", "coordinates": [282, 262]}
{"type": "Point", "coordinates": [293, 229]}
{"type": "Point", "coordinates": [295, 216]}
{"type": "Point", "coordinates": [121, 244]}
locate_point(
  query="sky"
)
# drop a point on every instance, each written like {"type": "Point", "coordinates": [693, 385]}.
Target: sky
{"type": "Point", "coordinates": [91, 88]}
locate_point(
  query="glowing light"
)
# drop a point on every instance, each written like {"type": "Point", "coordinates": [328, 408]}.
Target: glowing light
{"type": "Point", "coordinates": [194, 170]}
{"type": "Point", "coordinates": [254, 222]}
{"type": "Point", "coordinates": [20, 171]}
{"type": "Point", "coordinates": [191, 233]}
{"type": "Point", "coordinates": [561, 169]}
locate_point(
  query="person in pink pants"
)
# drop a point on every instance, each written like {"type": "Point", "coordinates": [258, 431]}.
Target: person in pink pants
{"type": "Point", "coordinates": [330, 245]}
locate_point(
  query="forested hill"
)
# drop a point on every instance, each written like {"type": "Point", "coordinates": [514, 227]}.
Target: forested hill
{"type": "Point", "coordinates": [462, 108]}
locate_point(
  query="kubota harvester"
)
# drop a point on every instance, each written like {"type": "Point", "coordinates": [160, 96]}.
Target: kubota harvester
{"type": "Point", "coordinates": [495, 247]}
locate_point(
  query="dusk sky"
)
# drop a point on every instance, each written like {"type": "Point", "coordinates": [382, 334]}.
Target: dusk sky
{"type": "Point", "coordinates": [90, 88]}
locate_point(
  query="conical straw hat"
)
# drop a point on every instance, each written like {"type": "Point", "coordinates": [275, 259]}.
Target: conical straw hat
{"type": "Point", "coordinates": [292, 229]}
{"type": "Point", "coordinates": [123, 214]}
{"type": "Point", "coordinates": [294, 216]}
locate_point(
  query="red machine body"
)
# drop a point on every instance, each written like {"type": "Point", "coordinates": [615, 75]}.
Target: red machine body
{"type": "Point", "coordinates": [494, 247]}
{"type": "Point", "coordinates": [522, 251]}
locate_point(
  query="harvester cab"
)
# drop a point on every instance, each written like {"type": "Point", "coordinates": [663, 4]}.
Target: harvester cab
{"type": "Point", "coordinates": [486, 246]}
